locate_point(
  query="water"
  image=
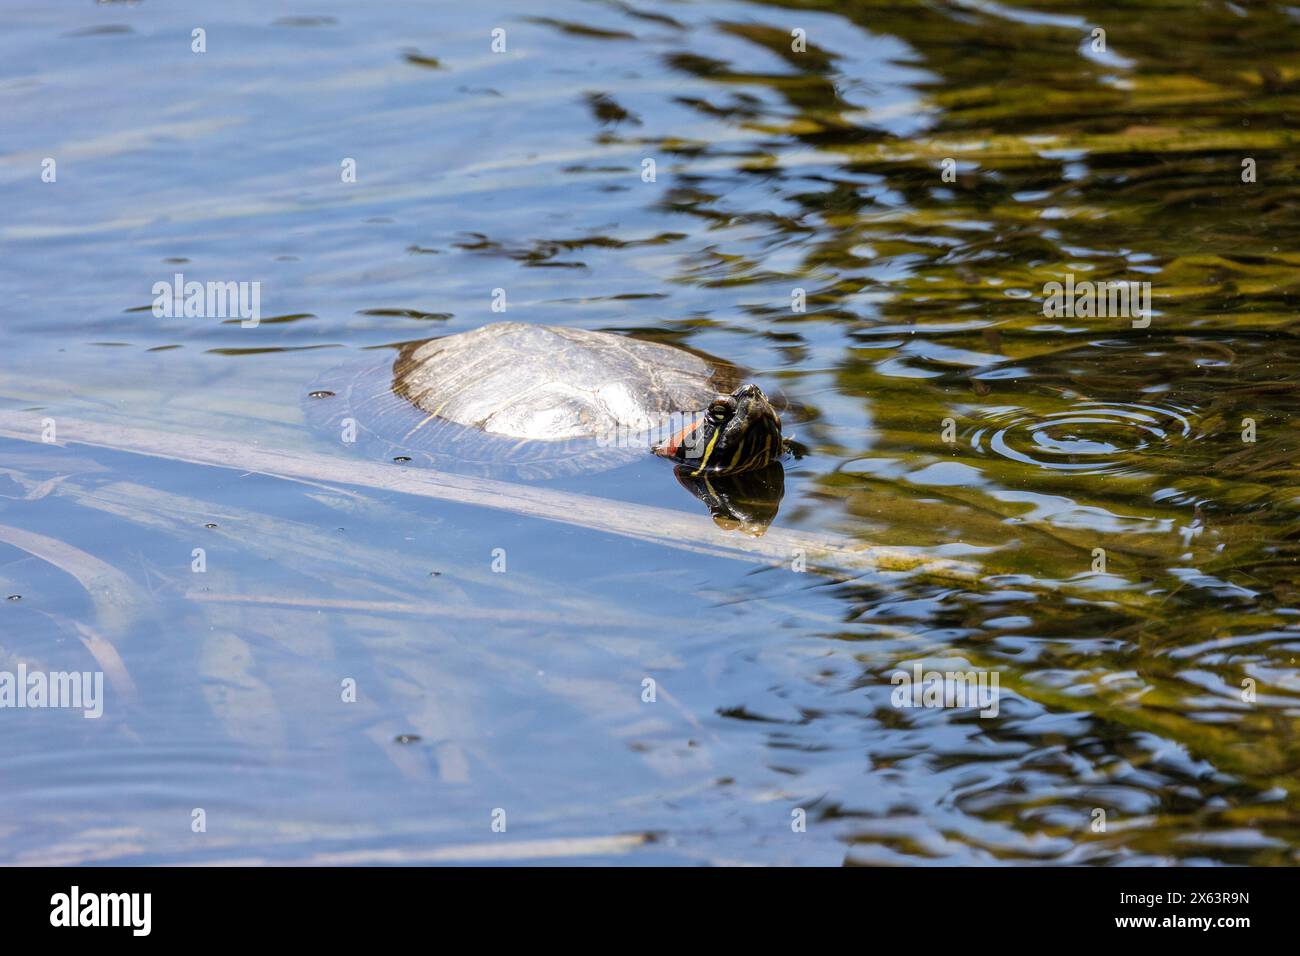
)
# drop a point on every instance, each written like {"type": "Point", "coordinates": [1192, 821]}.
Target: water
{"type": "Point", "coordinates": [1136, 556]}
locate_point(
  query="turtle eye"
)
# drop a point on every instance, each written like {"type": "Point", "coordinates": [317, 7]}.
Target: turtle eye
{"type": "Point", "coordinates": [720, 411]}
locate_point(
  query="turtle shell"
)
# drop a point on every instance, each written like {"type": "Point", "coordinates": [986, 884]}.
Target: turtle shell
{"type": "Point", "coordinates": [510, 399]}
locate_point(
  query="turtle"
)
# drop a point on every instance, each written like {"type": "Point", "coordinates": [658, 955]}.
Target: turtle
{"type": "Point", "coordinates": [537, 401]}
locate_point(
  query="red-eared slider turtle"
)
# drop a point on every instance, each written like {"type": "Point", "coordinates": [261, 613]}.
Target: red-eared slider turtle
{"type": "Point", "coordinates": [534, 401]}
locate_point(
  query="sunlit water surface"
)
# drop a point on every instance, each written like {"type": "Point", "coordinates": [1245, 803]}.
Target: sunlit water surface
{"type": "Point", "coordinates": [941, 409]}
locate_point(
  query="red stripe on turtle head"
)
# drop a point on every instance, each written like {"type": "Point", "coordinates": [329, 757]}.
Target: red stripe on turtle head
{"type": "Point", "coordinates": [670, 448]}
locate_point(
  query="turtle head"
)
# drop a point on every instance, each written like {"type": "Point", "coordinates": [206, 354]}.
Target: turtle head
{"type": "Point", "coordinates": [737, 432]}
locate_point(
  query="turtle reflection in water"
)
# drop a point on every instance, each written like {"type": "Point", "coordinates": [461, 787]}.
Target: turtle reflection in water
{"type": "Point", "coordinates": [536, 402]}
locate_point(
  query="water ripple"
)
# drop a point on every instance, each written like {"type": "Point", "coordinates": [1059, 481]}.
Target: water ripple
{"type": "Point", "coordinates": [1091, 438]}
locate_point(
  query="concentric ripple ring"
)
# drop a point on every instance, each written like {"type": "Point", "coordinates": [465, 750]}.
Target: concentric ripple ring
{"type": "Point", "coordinates": [1090, 438]}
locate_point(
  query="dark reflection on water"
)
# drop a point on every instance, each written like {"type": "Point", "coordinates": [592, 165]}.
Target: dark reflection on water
{"type": "Point", "coordinates": [1126, 493]}
{"type": "Point", "coordinates": [747, 502]}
